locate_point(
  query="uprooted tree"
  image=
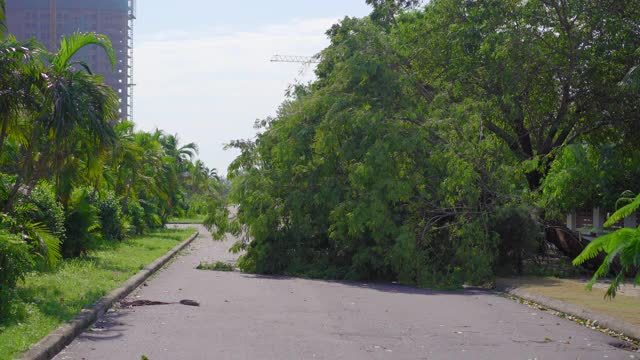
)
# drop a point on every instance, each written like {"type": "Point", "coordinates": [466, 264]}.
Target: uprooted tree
{"type": "Point", "coordinates": [428, 123]}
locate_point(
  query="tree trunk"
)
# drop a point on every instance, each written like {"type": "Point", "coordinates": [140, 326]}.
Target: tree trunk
{"type": "Point", "coordinates": [571, 244]}
{"type": "Point", "coordinates": [12, 195]}
{"type": "Point", "coordinates": [534, 179]}
{"type": "Point", "coordinates": [3, 134]}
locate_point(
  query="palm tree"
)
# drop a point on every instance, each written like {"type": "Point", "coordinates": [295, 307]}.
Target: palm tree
{"type": "Point", "coordinates": [75, 109]}
{"type": "Point", "coordinates": [78, 109]}
{"type": "Point", "coordinates": [213, 174]}
{"type": "Point", "coordinates": [182, 154]}
{"type": "Point", "coordinates": [79, 99]}
{"type": "Point", "coordinates": [199, 176]}
{"type": "Point", "coordinates": [138, 164]}
{"type": "Point", "coordinates": [124, 157]}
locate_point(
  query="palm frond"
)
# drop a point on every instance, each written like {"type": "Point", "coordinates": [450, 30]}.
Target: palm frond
{"type": "Point", "coordinates": [190, 150]}
{"type": "Point", "coordinates": [630, 254]}
{"type": "Point", "coordinates": [70, 45]}
{"type": "Point", "coordinates": [593, 249]}
{"type": "Point", "coordinates": [624, 212]}
{"type": "Point", "coordinates": [49, 246]}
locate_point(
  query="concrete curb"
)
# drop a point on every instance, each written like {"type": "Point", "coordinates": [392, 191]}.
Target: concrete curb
{"type": "Point", "coordinates": [630, 330]}
{"type": "Point", "coordinates": [53, 343]}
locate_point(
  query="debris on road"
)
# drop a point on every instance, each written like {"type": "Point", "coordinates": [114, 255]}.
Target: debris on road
{"type": "Point", "coordinates": [134, 303]}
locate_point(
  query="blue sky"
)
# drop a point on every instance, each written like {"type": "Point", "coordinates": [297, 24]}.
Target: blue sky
{"type": "Point", "coordinates": [202, 67]}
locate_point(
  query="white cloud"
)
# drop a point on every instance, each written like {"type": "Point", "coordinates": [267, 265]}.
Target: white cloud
{"type": "Point", "coordinates": [210, 87]}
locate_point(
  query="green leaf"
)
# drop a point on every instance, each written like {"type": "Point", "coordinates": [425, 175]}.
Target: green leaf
{"type": "Point", "coordinates": [625, 211]}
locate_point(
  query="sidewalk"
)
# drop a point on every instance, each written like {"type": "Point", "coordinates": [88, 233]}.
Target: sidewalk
{"type": "Point", "coordinates": [625, 308]}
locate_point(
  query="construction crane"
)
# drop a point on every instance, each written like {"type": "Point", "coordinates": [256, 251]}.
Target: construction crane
{"type": "Point", "coordinates": [295, 59]}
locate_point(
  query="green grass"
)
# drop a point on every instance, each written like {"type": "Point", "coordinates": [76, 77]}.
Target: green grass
{"type": "Point", "coordinates": [626, 308]}
{"type": "Point", "coordinates": [216, 266]}
{"type": "Point", "coordinates": [45, 300]}
{"type": "Point", "coordinates": [197, 219]}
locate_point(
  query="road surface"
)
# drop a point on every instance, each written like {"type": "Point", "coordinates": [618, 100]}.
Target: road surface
{"type": "Point", "coordinates": [245, 316]}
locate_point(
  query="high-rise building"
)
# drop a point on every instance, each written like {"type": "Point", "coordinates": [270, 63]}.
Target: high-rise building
{"type": "Point", "coordinates": [49, 20]}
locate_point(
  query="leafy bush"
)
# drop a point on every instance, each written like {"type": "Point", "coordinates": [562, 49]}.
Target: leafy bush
{"type": "Point", "coordinates": [40, 219]}
{"type": "Point", "coordinates": [82, 223]}
{"type": "Point", "coordinates": [15, 262]}
{"type": "Point", "coordinates": [152, 218]}
{"type": "Point", "coordinates": [135, 215]}
{"type": "Point", "coordinates": [112, 222]}
{"type": "Point", "coordinates": [463, 254]}
{"type": "Point", "coordinates": [520, 237]}
{"type": "Point", "coordinates": [42, 207]}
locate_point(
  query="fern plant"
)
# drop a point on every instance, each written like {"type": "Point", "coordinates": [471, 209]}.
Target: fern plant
{"type": "Point", "coordinates": [623, 244]}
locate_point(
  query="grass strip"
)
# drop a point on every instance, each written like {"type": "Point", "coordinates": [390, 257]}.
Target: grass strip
{"type": "Point", "coordinates": [198, 219]}
{"type": "Point", "coordinates": [45, 300]}
{"type": "Point", "coordinates": [626, 308]}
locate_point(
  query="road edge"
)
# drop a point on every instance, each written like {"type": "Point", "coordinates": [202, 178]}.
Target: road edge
{"type": "Point", "coordinates": [600, 320]}
{"type": "Point", "coordinates": [58, 339]}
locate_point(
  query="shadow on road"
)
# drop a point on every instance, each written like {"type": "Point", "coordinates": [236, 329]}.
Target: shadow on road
{"type": "Point", "coordinates": [383, 287]}
{"type": "Point", "coordinates": [107, 328]}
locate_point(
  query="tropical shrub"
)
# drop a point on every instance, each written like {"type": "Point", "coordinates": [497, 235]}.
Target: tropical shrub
{"type": "Point", "coordinates": [622, 244]}
{"type": "Point", "coordinates": [82, 223]}
{"type": "Point", "coordinates": [112, 222]}
{"type": "Point", "coordinates": [42, 207]}
{"type": "Point", "coordinates": [44, 247]}
{"type": "Point", "coordinates": [152, 218]}
{"type": "Point", "coordinates": [15, 262]}
{"type": "Point", "coordinates": [136, 216]}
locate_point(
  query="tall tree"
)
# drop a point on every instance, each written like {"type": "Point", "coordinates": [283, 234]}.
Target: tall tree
{"type": "Point", "coordinates": [543, 73]}
{"type": "Point", "coordinates": [181, 154]}
{"type": "Point", "coordinates": [73, 114]}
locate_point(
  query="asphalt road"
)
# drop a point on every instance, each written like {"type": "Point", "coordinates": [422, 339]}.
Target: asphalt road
{"type": "Point", "coordinates": [253, 317]}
